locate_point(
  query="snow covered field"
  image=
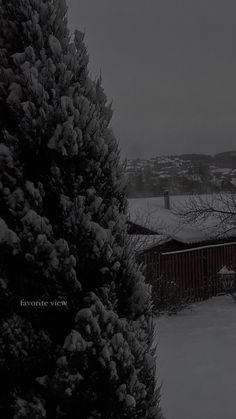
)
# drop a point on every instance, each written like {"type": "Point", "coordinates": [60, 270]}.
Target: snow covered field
{"type": "Point", "coordinates": [197, 361]}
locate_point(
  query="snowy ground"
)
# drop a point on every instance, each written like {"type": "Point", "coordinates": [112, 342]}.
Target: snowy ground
{"type": "Point", "coordinates": [197, 361]}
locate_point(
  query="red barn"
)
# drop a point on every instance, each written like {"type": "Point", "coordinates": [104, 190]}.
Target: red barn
{"type": "Point", "coordinates": [181, 256]}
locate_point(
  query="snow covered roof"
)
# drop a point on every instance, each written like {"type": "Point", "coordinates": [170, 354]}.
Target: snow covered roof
{"type": "Point", "coordinates": [142, 242]}
{"type": "Point", "coordinates": [150, 213]}
{"type": "Point", "coordinates": [225, 270]}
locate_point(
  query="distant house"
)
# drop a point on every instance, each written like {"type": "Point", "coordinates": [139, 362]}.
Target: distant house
{"type": "Point", "coordinates": [188, 256]}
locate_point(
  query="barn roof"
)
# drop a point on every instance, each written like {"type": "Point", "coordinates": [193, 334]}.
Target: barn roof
{"type": "Point", "coordinates": [140, 242]}
{"type": "Point", "coordinates": [150, 213]}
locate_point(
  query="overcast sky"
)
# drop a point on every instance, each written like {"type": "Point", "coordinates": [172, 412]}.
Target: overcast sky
{"type": "Point", "coordinates": [170, 69]}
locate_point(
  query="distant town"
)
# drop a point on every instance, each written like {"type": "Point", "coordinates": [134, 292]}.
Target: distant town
{"type": "Point", "coordinates": [185, 173]}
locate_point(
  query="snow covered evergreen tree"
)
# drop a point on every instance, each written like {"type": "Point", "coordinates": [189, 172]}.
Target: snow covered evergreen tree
{"type": "Point", "coordinates": [63, 235]}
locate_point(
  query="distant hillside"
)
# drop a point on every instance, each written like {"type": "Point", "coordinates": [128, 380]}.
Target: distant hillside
{"type": "Point", "coordinates": [184, 173]}
{"type": "Point", "coordinates": [196, 158]}
{"type": "Point", "coordinates": [226, 159]}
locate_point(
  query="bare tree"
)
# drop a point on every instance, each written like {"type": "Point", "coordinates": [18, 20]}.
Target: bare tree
{"type": "Point", "coordinates": [216, 212]}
